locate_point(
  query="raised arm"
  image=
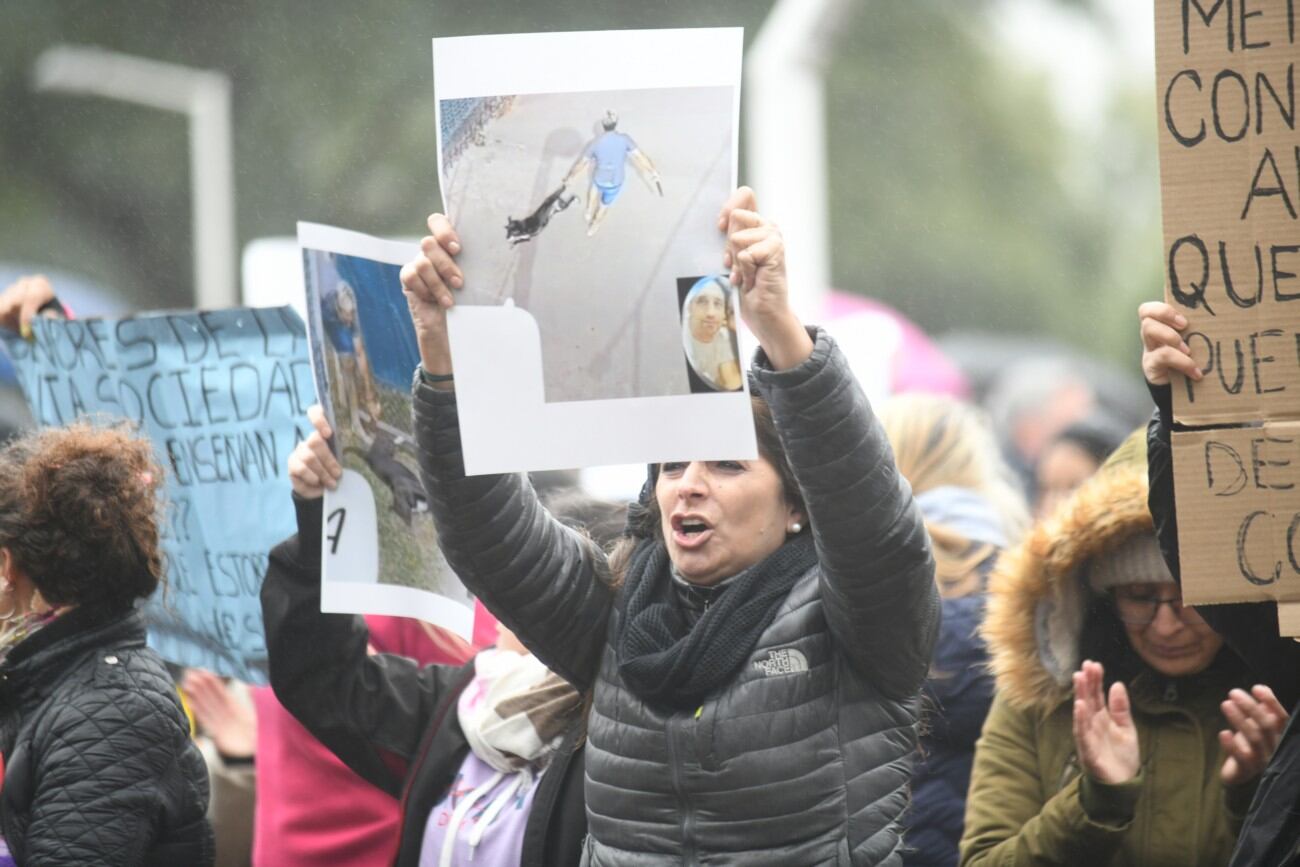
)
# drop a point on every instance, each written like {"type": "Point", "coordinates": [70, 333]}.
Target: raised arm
{"type": "Point", "coordinates": [877, 569]}
{"type": "Point", "coordinates": [545, 581]}
{"type": "Point", "coordinates": [368, 709]}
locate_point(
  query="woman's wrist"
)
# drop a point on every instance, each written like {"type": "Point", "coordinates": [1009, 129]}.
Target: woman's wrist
{"type": "Point", "coordinates": [435, 364]}
{"type": "Point", "coordinates": [1109, 803]}
{"type": "Point", "coordinates": [785, 342]}
{"type": "Point", "coordinates": [435, 380]}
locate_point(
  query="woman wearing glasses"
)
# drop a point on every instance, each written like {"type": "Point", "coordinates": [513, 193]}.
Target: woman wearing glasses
{"type": "Point", "coordinates": [1122, 732]}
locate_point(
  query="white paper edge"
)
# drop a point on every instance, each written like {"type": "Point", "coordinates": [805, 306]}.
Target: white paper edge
{"type": "Point", "coordinates": [391, 600]}
{"type": "Point", "coordinates": [568, 62]}
{"type": "Point", "coordinates": [329, 239]}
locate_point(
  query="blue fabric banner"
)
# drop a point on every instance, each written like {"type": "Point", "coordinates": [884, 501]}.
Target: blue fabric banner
{"type": "Point", "coordinates": [223, 395]}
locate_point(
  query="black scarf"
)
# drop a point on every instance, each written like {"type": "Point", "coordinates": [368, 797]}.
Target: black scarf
{"type": "Point", "coordinates": [663, 660]}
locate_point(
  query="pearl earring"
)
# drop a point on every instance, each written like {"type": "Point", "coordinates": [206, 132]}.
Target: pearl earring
{"type": "Point", "coordinates": [796, 527]}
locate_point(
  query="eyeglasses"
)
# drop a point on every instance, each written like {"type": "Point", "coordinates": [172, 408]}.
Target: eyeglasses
{"type": "Point", "coordinates": [1142, 610]}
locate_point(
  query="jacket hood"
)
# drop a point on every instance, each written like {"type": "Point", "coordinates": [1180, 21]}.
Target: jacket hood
{"type": "Point", "coordinates": [1038, 593]}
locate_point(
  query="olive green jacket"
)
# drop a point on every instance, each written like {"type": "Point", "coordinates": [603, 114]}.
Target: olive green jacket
{"type": "Point", "coordinates": [1029, 803]}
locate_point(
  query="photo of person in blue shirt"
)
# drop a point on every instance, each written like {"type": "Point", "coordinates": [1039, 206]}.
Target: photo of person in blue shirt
{"type": "Point", "coordinates": [605, 158]}
{"type": "Point", "coordinates": [343, 328]}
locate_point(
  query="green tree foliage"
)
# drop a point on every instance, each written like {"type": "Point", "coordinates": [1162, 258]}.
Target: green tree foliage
{"type": "Point", "coordinates": [956, 194]}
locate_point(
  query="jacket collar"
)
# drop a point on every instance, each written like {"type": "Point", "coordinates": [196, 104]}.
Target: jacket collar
{"type": "Point", "coordinates": [40, 660]}
{"type": "Point", "coordinates": [1152, 692]}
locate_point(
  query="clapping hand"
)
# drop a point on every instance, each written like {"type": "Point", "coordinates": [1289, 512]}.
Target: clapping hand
{"type": "Point", "coordinates": [230, 722]}
{"type": "Point", "coordinates": [1104, 734]}
{"type": "Point", "coordinates": [1256, 721]}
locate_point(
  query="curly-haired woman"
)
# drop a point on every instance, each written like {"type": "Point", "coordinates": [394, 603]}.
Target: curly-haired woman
{"type": "Point", "coordinates": [99, 767]}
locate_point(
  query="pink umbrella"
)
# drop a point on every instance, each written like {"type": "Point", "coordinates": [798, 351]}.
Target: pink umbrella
{"type": "Point", "coordinates": [888, 352]}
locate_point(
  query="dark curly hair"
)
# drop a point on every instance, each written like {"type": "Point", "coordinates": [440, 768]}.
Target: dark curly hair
{"type": "Point", "coordinates": [79, 513]}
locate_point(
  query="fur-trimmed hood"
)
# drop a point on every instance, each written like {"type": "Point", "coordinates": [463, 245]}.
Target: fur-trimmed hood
{"type": "Point", "coordinates": [1038, 595]}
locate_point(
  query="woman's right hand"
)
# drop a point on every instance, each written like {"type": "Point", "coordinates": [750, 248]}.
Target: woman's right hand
{"type": "Point", "coordinates": [1104, 734]}
{"type": "Point", "coordinates": [427, 282]}
{"type": "Point", "coordinates": [1163, 347]}
{"type": "Point", "coordinates": [312, 465]}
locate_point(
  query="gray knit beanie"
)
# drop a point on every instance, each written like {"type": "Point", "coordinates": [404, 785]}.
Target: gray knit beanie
{"type": "Point", "coordinates": [1136, 560]}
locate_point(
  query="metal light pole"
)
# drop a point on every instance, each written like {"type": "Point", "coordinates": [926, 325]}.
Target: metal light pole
{"type": "Point", "coordinates": [786, 137]}
{"type": "Point", "coordinates": [204, 97]}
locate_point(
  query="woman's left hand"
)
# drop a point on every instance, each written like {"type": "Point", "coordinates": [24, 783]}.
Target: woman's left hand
{"type": "Point", "coordinates": [755, 253]}
{"type": "Point", "coordinates": [1256, 721]}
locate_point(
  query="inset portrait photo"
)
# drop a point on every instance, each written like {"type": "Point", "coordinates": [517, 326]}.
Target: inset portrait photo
{"type": "Point", "coordinates": [708, 314]}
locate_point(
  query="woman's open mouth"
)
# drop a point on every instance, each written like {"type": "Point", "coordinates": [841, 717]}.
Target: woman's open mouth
{"type": "Point", "coordinates": [690, 531]}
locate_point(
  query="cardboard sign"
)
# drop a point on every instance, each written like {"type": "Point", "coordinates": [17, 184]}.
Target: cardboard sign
{"type": "Point", "coordinates": [379, 548]}
{"type": "Point", "coordinates": [1230, 175]}
{"type": "Point", "coordinates": [1239, 541]}
{"type": "Point", "coordinates": [223, 397]}
{"type": "Point", "coordinates": [586, 193]}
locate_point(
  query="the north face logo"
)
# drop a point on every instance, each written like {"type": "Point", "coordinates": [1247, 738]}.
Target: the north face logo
{"type": "Point", "coordinates": [786, 660]}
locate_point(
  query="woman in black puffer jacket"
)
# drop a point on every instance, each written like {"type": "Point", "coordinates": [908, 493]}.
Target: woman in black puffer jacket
{"type": "Point", "coordinates": [99, 767]}
{"type": "Point", "coordinates": [755, 671]}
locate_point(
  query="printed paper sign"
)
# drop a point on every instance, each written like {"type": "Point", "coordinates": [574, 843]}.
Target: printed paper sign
{"type": "Point", "coordinates": [222, 395]}
{"type": "Point", "coordinates": [1230, 174]}
{"type": "Point", "coordinates": [380, 549]}
{"type": "Point", "coordinates": [584, 173]}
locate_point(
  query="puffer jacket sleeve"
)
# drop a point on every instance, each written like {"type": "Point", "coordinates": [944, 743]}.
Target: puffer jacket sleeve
{"type": "Point", "coordinates": [1008, 824]}
{"type": "Point", "coordinates": [370, 710]}
{"type": "Point", "coordinates": [105, 789]}
{"type": "Point", "coordinates": [544, 580]}
{"type": "Point", "coordinates": [877, 567]}
{"type": "Point", "coordinates": [1249, 628]}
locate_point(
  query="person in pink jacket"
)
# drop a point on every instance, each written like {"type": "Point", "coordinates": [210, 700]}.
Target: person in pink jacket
{"type": "Point", "coordinates": [311, 809]}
